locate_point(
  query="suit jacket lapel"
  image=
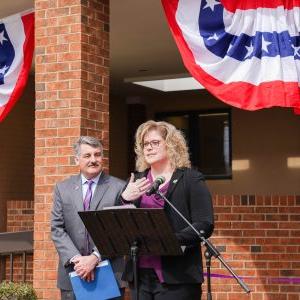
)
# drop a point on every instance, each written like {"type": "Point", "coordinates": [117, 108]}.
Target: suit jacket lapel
{"type": "Point", "coordinates": [177, 175]}
{"type": "Point", "coordinates": [77, 193]}
{"type": "Point", "coordinates": [102, 186]}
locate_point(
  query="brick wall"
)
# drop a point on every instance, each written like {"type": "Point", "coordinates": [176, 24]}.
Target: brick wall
{"type": "Point", "coordinates": [71, 69]}
{"type": "Point", "coordinates": [19, 215]}
{"type": "Point", "coordinates": [20, 218]}
{"type": "Point", "coordinates": [259, 237]}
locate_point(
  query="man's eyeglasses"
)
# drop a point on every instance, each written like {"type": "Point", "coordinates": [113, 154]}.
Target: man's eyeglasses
{"type": "Point", "coordinates": [153, 144]}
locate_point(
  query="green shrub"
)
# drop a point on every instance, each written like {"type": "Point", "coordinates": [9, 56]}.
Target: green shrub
{"type": "Point", "coordinates": [16, 291]}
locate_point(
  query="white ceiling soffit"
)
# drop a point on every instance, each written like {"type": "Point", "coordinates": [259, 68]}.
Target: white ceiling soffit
{"type": "Point", "coordinates": [171, 85]}
{"type": "Point", "coordinates": [8, 8]}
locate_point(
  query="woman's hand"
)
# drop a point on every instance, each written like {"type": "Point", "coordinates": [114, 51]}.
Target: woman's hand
{"type": "Point", "coordinates": [135, 189]}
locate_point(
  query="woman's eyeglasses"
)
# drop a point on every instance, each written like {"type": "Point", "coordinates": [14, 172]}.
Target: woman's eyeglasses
{"type": "Point", "coordinates": [153, 144]}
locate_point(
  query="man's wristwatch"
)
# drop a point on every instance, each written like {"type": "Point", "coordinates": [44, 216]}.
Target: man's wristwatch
{"type": "Point", "coordinates": [97, 255]}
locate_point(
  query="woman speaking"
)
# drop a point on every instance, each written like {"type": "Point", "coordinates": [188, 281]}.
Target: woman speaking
{"type": "Point", "coordinates": [161, 150]}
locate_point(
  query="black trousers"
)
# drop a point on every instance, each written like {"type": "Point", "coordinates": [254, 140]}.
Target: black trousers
{"type": "Point", "coordinates": [150, 288]}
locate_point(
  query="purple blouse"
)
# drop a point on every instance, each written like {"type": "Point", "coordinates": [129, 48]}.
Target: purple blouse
{"type": "Point", "coordinates": [153, 201]}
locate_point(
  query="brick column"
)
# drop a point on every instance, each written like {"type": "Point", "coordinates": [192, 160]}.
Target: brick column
{"type": "Point", "coordinates": [71, 70]}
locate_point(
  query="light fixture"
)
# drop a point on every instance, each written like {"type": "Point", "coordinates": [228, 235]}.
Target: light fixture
{"type": "Point", "coordinates": [293, 162]}
{"type": "Point", "coordinates": [240, 164]}
{"type": "Point", "coordinates": [168, 83]}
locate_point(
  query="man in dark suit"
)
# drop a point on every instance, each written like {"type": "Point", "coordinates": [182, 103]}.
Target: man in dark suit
{"type": "Point", "coordinates": [92, 189]}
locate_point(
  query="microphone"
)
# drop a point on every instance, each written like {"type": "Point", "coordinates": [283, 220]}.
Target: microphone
{"type": "Point", "coordinates": [157, 182]}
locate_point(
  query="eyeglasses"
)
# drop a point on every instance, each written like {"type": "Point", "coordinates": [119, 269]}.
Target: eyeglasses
{"type": "Point", "coordinates": [153, 144]}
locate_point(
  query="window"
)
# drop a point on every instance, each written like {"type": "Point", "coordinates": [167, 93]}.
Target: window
{"type": "Point", "coordinates": [208, 134]}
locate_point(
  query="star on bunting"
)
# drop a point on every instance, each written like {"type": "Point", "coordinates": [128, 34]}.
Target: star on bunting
{"type": "Point", "coordinates": [211, 4]}
{"type": "Point", "coordinates": [2, 37]}
{"type": "Point", "coordinates": [250, 50]}
{"type": "Point", "coordinates": [265, 44]}
{"type": "Point", "coordinates": [296, 50]}
{"type": "Point", "coordinates": [2, 70]}
{"type": "Point", "coordinates": [213, 37]}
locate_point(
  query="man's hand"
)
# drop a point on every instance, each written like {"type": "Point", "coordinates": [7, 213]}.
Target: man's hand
{"type": "Point", "coordinates": [85, 265]}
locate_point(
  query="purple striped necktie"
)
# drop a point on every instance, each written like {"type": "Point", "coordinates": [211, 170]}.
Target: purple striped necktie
{"type": "Point", "coordinates": [88, 195]}
{"type": "Point", "coordinates": [86, 206]}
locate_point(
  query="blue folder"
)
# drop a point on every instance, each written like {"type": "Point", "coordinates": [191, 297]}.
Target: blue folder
{"type": "Point", "coordinates": [104, 286]}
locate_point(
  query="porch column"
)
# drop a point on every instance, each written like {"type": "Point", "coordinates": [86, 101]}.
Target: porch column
{"type": "Point", "coordinates": [72, 86]}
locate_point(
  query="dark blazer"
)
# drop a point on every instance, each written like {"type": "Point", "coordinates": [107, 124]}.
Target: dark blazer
{"type": "Point", "coordinates": [67, 229]}
{"type": "Point", "coordinates": [189, 194]}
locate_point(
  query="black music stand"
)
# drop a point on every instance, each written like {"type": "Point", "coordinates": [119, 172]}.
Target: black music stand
{"type": "Point", "coordinates": [129, 231]}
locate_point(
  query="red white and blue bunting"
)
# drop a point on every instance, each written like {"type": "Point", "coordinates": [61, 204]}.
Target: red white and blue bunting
{"type": "Point", "coordinates": [16, 51]}
{"type": "Point", "coordinates": [245, 52]}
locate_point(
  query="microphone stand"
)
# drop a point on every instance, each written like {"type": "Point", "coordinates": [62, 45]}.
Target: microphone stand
{"type": "Point", "coordinates": [134, 249]}
{"type": "Point", "coordinates": [211, 250]}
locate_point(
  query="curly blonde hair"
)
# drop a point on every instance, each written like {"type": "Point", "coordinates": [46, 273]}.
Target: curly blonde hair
{"type": "Point", "coordinates": [177, 148]}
